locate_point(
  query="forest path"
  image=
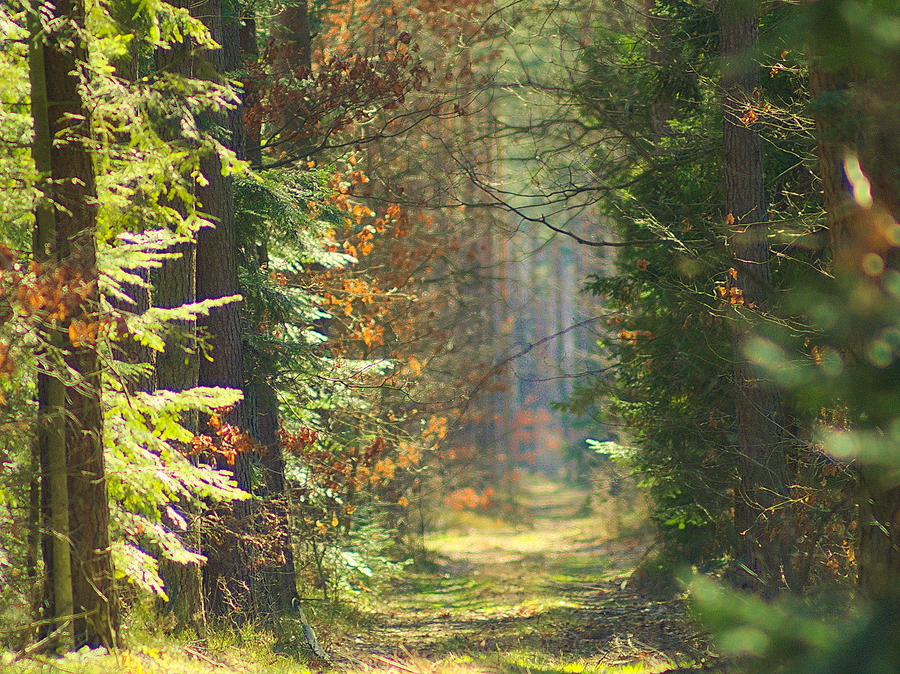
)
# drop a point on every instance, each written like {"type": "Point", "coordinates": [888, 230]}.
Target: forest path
{"type": "Point", "coordinates": [549, 595]}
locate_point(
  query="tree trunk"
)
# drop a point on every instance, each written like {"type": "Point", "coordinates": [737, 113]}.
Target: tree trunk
{"type": "Point", "coordinates": [292, 37]}
{"type": "Point", "coordinates": [177, 369]}
{"type": "Point", "coordinates": [858, 121]}
{"type": "Point", "coordinates": [278, 575]}
{"type": "Point", "coordinates": [760, 416]}
{"type": "Point", "coordinates": [291, 46]}
{"type": "Point", "coordinates": [865, 233]}
{"type": "Point", "coordinates": [831, 149]}
{"type": "Point", "coordinates": [227, 582]}
{"type": "Point", "coordinates": [51, 391]}
{"type": "Point", "coordinates": [73, 246]}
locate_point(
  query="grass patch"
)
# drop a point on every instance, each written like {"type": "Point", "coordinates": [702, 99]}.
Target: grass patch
{"type": "Point", "coordinates": [543, 596]}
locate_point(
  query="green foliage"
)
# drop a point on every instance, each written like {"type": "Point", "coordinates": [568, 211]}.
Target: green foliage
{"type": "Point", "coordinates": [289, 209]}
{"type": "Point", "coordinates": [769, 637]}
{"type": "Point", "coordinates": [650, 88]}
{"type": "Point", "coordinates": [364, 562]}
{"type": "Point", "coordinates": [800, 636]}
{"type": "Point", "coordinates": [17, 190]}
{"type": "Point", "coordinates": [142, 168]}
{"type": "Point", "coordinates": [837, 359]}
{"type": "Point", "coordinates": [285, 222]}
{"type": "Point", "coordinates": [329, 406]}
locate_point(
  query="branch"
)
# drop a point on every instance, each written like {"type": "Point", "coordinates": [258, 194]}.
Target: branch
{"type": "Point", "coordinates": [519, 211]}
{"type": "Point", "coordinates": [506, 361]}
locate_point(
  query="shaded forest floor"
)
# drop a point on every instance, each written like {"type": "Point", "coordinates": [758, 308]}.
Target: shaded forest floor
{"type": "Point", "coordinates": [553, 593]}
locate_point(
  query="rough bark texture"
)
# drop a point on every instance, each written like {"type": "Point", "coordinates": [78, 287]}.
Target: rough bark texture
{"type": "Point", "coordinates": [174, 285]}
{"type": "Point", "coordinates": [50, 492]}
{"type": "Point", "coordinates": [291, 48]}
{"type": "Point", "coordinates": [278, 575]}
{"type": "Point", "coordinates": [177, 369]}
{"type": "Point", "coordinates": [759, 407]}
{"type": "Point", "coordinates": [831, 146]}
{"type": "Point", "coordinates": [230, 587]}
{"type": "Point", "coordinates": [292, 37]}
{"type": "Point", "coordinates": [249, 53]}
{"type": "Point", "coordinates": [75, 195]}
{"type": "Point", "coordinates": [858, 119]}
{"type": "Point", "coordinates": [658, 54]}
{"type": "Point", "coordinates": [227, 584]}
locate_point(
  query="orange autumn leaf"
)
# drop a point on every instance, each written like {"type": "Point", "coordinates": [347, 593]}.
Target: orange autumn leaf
{"type": "Point", "coordinates": [749, 117]}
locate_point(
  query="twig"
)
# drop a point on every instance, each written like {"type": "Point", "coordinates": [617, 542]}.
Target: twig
{"type": "Point", "coordinates": [202, 656]}
{"type": "Point", "coordinates": [394, 663]}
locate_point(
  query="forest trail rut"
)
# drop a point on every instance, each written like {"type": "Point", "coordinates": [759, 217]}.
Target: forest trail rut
{"type": "Point", "coordinates": [550, 594]}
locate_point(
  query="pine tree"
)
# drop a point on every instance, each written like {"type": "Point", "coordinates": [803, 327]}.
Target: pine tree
{"type": "Point", "coordinates": [65, 239]}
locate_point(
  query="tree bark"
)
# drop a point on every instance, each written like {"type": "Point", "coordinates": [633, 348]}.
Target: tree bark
{"type": "Point", "coordinates": [292, 37]}
{"type": "Point", "coordinates": [51, 391]}
{"type": "Point", "coordinates": [858, 120]}
{"type": "Point", "coordinates": [73, 247]}
{"type": "Point", "coordinates": [760, 416]}
{"type": "Point", "coordinates": [291, 47]}
{"type": "Point", "coordinates": [227, 583]}
{"type": "Point", "coordinates": [279, 575]}
{"type": "Point", "coordinates": [231, 589]}
{"type": "Point", "coordinates": [177, 369]}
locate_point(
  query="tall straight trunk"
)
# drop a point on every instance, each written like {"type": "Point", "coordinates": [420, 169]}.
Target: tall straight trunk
{"type": "Point", "coordinates": [228, 586]}
{"type": "Point", "coordinates": [249, 53]}
{"type": "Point", "coordinates": [291, 46]}
{"type": "Point", "coordinates": [130, 350]}
{"type": "Point", "coordinates": [658, 54]}
{"type": "Point", "coordinates": [878, 542]}
{"type": "Point", "coordinates": [177, 369]}
{"type": "Point", "coordinates": [831, 148]}
{"type": "Point", "coordinates": [878, 554]}
{"type": "Point", "coordinates": [292, 35]}
{"type": "Point", "coordinates": [73, 246]}
{"type": "Point", "coordinates": [278, 575]}
{"type": "Point", "coordinates": [51, 391]}
{"type": "Point", "coordinates": [858, 120]}
{"type": "Point", "coordinates": [760, 415]}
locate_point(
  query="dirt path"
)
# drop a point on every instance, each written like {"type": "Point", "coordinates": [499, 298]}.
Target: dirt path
{"type": "Point", "coordinates": [549, 595]}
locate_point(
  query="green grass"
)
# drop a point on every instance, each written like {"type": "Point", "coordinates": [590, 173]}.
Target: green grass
{"type": "Point", "coordinates": [497, 598]}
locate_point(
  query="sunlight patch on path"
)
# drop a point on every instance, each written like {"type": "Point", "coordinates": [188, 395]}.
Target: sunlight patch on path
{"type": "Point", "coordinates": [545, 596]}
